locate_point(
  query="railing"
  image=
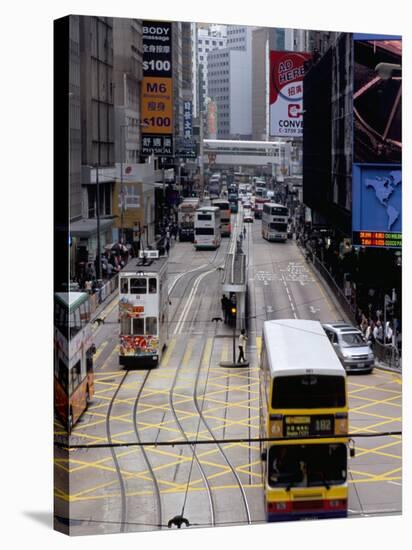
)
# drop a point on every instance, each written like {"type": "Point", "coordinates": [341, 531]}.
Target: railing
{"type": "Point", "coordinates": [387, 353]}
{"type": "Point", "coordinates": [103, 293]}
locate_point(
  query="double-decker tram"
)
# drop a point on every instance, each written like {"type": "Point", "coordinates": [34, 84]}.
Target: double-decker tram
{"type": "Point", "coordinates": [207, 227]}
{"type": "Point", "coordinates": [143, 310]}
{"type": "Point", "coordinates": [304, 408]}
{"type": "Point", "coordinates": [73, 356]}
{"type": "Point", "coordinates": [275, 219]}
{"type": "Point", "coordinates": [224, 207]}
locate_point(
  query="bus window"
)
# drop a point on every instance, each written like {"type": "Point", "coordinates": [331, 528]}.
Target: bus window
{"type": "Point", "coordinates": [151, 325]}
{"type": "Point", "coordinates": [152, 286]}
{"type": "Point", "coordinates": [75, 377]}
{"type": "Point", "coordinates": [124, 285]}
{"type": "Point", "coordinates": [308, 392]}
{"type": "Point", "coordinates": [138, 286]}
{"type": "Point", "coordinates": [138, 326]}
{"type": "Point", "coordinates": [125, 325]}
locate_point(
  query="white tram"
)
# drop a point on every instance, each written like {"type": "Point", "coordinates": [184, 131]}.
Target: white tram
{"type": "Point", "coordinates": [143, 310]}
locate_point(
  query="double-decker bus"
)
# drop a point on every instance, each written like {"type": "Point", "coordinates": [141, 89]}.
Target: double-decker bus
{"type": "Point", "coordinates": [207, 227]}
{"type": "Point", "coordinates": [275, 219]}
{"type": "Point", "coordinates": [73, 356]}
{"type": "Point", "coordinates": [143, 310]}
{"type": "Point", "coordinates": [186, 218]}
{"type": "Point", "coordinates": [224, 208]}
{"type": "Point", "coordinates": [303, 396]}
{"type": "Point", "coordinates": [215, 185]}
{"type": "Point", "coordinates": [233, 202]}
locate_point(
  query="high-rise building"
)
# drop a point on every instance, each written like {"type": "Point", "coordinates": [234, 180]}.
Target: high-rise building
{"type": "Point", "coordinates": [127, 77]}
{"type": "Point", "coordinates": [94, 226]}
{"type": "Point", "coordinates": [209, 38]}
{"type": "Point", "coordinates": [230, 84]}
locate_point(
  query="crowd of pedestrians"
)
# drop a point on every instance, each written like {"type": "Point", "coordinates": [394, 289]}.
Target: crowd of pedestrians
{"type": "Point", "coordinates": [348, 271]}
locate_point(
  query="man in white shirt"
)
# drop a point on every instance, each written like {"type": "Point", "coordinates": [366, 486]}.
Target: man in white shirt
{"type": "Point", "coordinates": [242, 346]}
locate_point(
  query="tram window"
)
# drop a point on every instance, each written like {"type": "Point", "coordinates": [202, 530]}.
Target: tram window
{"type": "Point", "coordinates": [125, 325]}
{"type": "Point", "coordinates": [138, 286]}
{"type": "Point", "coordinates": [124, 285]}
{"type": "Point", "coordinates": [62, 375]}
{"type": "Point", "coordinates": [151, 325]}
{"type": "Point", "coordinates": [75, 377]}
{"type": "Point", "coordinates": [138, 326]}
{"type": "Point", "coordinates": [152, 286]}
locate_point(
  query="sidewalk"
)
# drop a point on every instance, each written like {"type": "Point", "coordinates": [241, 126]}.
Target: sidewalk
{"type": "Point", "coordinates": [342, 304]}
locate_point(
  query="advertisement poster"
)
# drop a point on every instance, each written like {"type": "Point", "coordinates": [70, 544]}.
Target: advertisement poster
{"type": "Point", "coordinates": [157, 89]}
{"type": "Point", "coordinates": [377, 101]}
{"type": "Point", "coordinates": [286, 93]}
{"type": "Point", "coordinates": [377, 205]}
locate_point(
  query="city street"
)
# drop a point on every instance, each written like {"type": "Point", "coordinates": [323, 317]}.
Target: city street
{"type": "Point", "coordinates": [190, 397]}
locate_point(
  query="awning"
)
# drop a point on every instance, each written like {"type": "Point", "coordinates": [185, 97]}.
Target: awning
{"type": "Point", "coordinates": [88, 228]}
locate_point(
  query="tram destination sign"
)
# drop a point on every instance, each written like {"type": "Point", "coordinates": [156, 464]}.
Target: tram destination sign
{"type": "Point", "coordinates": [307, 426]}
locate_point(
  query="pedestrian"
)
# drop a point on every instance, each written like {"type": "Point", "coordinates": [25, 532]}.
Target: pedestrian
{"type": "Point", "coordinates": [244, 231]}
{"type": "Point", "coordinates": [167, 246]}
{"type": "Point", "coordinates": [225, 308]}
{"type": "Point", "coordinates": [378, 332]}
{"type": "Point", "coordinates": [242, 346]}
{"type": "Point", "coordinates": [369, 332]}
{"type": "Point", "coordinates": [388, 333]}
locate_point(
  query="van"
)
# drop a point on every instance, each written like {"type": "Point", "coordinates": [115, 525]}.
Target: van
{"type": "Point", "coordinates": [354, 352]}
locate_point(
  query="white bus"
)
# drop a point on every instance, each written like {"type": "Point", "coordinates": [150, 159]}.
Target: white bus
{"type": "Point", "coordinates": [143, 310]}
{"type": "Point", "coordinates": [275, 219]}
{"type": "Point", "coordinates": [224, 208]}
{"type": "Point", "coordinates": [207, 227]}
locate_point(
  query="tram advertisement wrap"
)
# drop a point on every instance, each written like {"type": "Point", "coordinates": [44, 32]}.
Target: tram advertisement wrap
{"type": "Point", "coordinates": [139, 345]}
{"type": "Point", "coordinates": [286, 93]}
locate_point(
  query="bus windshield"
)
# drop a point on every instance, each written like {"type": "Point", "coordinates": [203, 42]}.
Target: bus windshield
{"type": "Point", "coordinates": [308, 392]}
{"type": "Point", "coordinates": [281, 210]}
{"type": "Point", "coordinates": [278, 226]}
{"type": "Point", "coordinates": [307, 465]}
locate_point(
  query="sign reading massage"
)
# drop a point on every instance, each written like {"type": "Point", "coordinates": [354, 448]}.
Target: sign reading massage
{"type": "Point", "coordinates": [157, 89]}
{"type": "Point", "coordinates": [286, 93]}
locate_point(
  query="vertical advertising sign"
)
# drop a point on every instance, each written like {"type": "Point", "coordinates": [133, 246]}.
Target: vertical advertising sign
{"type": "Point", "coordinates": [377, 139]}
{"type": "Point", "coordinates": [157, 89]}
{"type": "Point", "coordinates": [186, 147]}
{"type": "Point", "coordinates": [286, 93]}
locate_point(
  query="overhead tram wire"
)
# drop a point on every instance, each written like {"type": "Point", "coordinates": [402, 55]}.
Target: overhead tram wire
{"type": "Point", "coordinates": [190, 442]}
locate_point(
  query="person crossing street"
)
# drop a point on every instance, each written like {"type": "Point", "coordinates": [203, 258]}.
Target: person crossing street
{"type": "Point", "coordinates": [242, 346]}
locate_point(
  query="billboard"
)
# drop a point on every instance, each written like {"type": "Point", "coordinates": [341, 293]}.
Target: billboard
{"type": "Point", "coordinates": [157, 89]}
{"type": "Point", "coordinates": [377, 205]}
{"type": "Point", "coordinates": [377, 101]}
{"type": "Point", "coordinates": [286, 93]}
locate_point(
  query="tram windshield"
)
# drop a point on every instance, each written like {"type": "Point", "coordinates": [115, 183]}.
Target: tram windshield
{"type": "Point", "coordinates": [307, 465]}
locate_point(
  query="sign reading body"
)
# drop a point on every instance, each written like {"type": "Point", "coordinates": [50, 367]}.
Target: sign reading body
{"type": "Point", "coordinates": [286, 93]}
{"type": "Point", "coordinates": [157, 89]}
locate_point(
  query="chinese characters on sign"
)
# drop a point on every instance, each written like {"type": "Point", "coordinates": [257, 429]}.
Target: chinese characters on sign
{"type": "Point", "coordinates": [157, 89]}
{"type": "Point", "coordinates": [286, 93]}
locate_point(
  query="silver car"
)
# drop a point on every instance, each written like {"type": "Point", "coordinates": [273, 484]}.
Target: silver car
{"type": "Point", "coordinates": [351, 347]}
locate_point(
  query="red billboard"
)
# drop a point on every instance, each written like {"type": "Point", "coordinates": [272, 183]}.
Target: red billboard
{"type": "Point", "coordinates": [286, 93]}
